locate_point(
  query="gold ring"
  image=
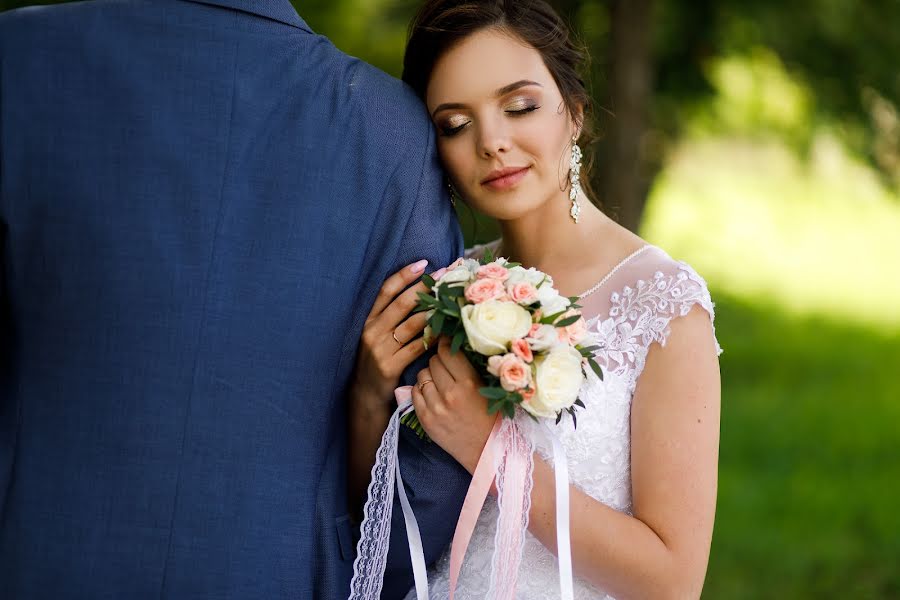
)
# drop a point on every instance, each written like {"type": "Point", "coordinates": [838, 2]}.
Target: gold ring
{"type": "Point", "coordinates": [423, 384]}
{"type": "Point", "coordinates": [394, 335]}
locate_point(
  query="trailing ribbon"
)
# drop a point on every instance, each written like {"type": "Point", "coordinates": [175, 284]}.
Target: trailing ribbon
{"type": "Point", "coordinates": [375, 531]}
{"type": "Point", "coordinates": [507, 457]}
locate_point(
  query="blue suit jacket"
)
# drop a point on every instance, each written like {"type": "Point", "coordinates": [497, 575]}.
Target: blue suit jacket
{"type": "Point", "coordinates": [198, 204]}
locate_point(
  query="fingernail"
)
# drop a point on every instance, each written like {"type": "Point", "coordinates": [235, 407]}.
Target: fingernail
{"type": "Point", "coordinates": [439, 273]}
{"type": "Point", "coordinates": [419, 267]}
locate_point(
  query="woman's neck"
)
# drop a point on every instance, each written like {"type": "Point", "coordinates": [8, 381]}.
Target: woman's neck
{"type": "Point", "coordinates": [549, 240]}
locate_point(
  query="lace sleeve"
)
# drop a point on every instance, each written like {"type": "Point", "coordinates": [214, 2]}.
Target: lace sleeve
{"type": "Point", "coordinates": [641, 315]}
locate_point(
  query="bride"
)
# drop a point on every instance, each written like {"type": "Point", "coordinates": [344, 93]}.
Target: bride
{"type": "Point", "coordinates": [499, 79]}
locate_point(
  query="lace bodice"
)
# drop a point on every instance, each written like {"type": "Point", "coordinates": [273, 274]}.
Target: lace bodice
{"type": "Point", "coordinates": [630, 311]}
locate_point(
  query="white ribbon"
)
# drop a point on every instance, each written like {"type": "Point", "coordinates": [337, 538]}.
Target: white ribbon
{"type": "Point", "coordinates": [563, 537]}
{"type": "Point", "coordinates": [375, 531]}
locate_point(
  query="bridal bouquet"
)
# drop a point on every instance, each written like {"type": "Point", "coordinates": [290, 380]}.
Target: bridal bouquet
{"type": "Point", "coordinates": [532, 349]}
{"type": "Point", "coordinates": [526, 340]}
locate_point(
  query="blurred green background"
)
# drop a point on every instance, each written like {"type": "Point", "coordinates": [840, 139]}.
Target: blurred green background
{"type": "Point", "coordinates": [759, 141]}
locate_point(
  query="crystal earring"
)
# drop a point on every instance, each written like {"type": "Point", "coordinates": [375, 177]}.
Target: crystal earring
{"type": "Point", "coordinates": [452, 193]}
{"type": "Point", "coordinates": [575, 180]}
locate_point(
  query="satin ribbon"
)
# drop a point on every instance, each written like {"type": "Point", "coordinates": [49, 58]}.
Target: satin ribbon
{"type": "Point", "coordinates": [482, 479]}
{"type": "Point", "coordinates": [372, 547]}
{"type": "Point", "coordinates": [563, 536]}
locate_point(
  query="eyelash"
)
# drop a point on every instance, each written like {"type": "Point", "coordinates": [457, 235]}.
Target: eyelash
{"type": "Point", "coordinates": [445, 132]}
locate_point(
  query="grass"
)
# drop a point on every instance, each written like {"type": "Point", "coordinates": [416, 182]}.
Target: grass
{"type": "Point", "coordinates": [810, 458]}
{"type": "Point", "coordinates": [802, 259]}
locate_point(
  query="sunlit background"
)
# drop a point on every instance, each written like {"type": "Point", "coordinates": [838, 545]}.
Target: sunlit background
{"type": "Point", "coordinates": [760, 142]}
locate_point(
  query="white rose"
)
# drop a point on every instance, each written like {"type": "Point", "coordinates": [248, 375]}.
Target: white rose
{"type": "Point", "coordinates": [558, 381]}
{"type": "Point", "coordinates": [458, 275]}
{"type": "Point", "coordinates": [492, 325]}
{"type": "Point", "coordinates": [544, 338]}
{"type": "Point", "coordinates": [551, 301]}
{"type": "Point", "coordinates": [521, 274]}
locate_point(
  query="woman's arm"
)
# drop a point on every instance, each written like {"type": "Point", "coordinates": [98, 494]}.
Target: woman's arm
{"type": "Point", "coordinates": [391, 340]}
{"type": "Point", "coordinates": [662, 551]}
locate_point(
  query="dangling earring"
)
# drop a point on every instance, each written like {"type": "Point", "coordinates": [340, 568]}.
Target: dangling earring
{"type": "Point", "coordinates": [452, 193]}
{"type": "Point", "coordinates": [575, 180]}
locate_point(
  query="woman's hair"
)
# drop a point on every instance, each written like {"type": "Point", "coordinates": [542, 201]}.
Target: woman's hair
{"type": "Point", "coordinates": [441, 24]}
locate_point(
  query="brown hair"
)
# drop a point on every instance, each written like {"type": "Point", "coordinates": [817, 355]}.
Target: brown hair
{"type": "Point", "coordinates": [441, 24]}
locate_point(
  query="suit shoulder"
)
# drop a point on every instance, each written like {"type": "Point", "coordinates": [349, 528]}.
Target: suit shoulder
{"type": "Point", "coordinates": [388, 104]}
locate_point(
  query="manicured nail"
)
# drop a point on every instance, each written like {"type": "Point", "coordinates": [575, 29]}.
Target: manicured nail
{"type": "Point", "coordinates": [439, 273]}
{"type": "Point", "coordinates": [418, 267]}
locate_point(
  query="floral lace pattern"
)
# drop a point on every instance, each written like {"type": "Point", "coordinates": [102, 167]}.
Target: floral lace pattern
{"type": "Point", "coordinates": [658, 290]}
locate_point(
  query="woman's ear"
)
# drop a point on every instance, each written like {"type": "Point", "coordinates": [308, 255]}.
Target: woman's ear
{"type": "Point", "coordinates": [578, 122]}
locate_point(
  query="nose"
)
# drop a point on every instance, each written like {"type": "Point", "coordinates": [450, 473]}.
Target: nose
{"type": "Point", "coordinates": [493, 139]}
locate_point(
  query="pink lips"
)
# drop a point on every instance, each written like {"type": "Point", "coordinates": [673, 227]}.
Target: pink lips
{"type": "Point", "coordinates": [503, 179]}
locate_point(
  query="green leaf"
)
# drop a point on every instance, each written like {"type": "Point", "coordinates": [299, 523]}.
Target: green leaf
{"type": "Point", "coordinates": [453, 291]}
{"type": "Point", "coordinates": [578, 402]}
{"type": "Point", "coordinates": [426, 299]}
{"type": "Point", "coordinates": [458, 338]}
{"type": "Point", "coordinates": [494, 406]}
{"type": "Point", "coordinates": [428, 280]}
{"type": "Point", "coordinates": [567, 321]}
{"type": "Point", "coordinates": [586, 351]}
{"type": "Point", "coordinates": [548, 319]}
{"type": "Point", "coordinates": [596, 368]}
{"type": "Point", "coordinates": [437, 323]}
{"type": "Point", "coordinates": [488, 256]}
{"type": "Point", "coordinates": [492, 393]}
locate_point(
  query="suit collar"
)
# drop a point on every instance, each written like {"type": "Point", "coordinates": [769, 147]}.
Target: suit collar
{"type": "Point", "coordinates": [277, 10]}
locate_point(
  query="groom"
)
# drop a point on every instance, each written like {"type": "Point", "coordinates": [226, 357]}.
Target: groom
{"type": "Point", "coordinates": [198, 204]}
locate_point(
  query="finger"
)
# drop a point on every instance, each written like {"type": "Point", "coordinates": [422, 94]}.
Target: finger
{"type": "Point", "coordinates": [410, 352]}
{"type": "Point", "coordinates": [395, 284]}
{"type": "Point", "coordinates": [419, 405]}
{"type": "Point", "coordinates": [457, 364]}
{"type": "Point", "coordinates": [398, 310]}
{"type": "Point", "coordinates": [430, 393]}
{"type": "Point", "coordinates": [443, 378]}
{"type": "Point", "coordinates": [411, 327]}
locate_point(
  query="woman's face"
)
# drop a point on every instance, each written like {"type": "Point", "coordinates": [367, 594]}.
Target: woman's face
{"type": "Point", "coordinates": [503, 131]}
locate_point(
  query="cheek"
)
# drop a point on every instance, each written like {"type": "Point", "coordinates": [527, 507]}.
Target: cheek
{"type": "Point", "coordinates": [456, 159]}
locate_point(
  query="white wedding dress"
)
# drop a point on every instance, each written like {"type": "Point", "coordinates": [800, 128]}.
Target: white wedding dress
{"type": "Point", "coordinates": [628, 311]}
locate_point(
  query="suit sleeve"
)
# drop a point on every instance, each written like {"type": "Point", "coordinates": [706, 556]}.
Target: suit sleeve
{"type": "Point", "coordinates": [435, 483]}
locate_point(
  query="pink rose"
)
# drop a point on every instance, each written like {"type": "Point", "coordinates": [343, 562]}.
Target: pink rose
{"type": "Point", "coordinates": [521, 349]}
{"type": "Point", "coordinates": [484, 290]}
{"type": "Point", "coordinates": [493, 270]}
{"type": "Point", "coordinates": [493, 365]}
{"type": "Point", "coordinates": [535, 327]}
{"type": "Point", "coordinates": [574, 333]}
{"type": "Point", "coordinates": [523, 293]}
{"type": "Point", "coordinates": [527, 394]}
{"type": "Point", "coordinates": [514, 374]}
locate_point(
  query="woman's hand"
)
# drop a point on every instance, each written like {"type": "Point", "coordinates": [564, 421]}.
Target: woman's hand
{"type": "Point", "coordinates": [450, 408]}
{"type": "Point", "coordinates": [391, 338]}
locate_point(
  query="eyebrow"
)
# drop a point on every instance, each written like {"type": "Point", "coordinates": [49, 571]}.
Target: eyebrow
{"type": "Point", "coordinates": [501, 92]}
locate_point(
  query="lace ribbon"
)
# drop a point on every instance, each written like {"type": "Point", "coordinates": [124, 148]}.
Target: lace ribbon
{"type": "Point", "coordinates": [372, 549]}
{"type": "Point", "coordinates": [507, 457]}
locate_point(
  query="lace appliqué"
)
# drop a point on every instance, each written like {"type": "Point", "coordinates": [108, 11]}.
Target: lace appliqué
{"type": "Point", "coordinates": [641, 315]}
{"type": "Point", "coordinates": [599, 450]}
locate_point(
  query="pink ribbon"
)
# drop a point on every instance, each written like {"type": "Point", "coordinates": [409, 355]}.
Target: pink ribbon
{"type": "Point", "coordinates": [475, 497]}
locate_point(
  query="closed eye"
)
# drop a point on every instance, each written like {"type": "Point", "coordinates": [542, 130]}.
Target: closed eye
{"type": "Point", "coordinates": [522, 111]}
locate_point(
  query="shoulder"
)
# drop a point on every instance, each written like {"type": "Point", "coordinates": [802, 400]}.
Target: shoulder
{"type": "Point", "coordinates": [660, 293]}
{"type": "Point", "coordinates": [384, 108]}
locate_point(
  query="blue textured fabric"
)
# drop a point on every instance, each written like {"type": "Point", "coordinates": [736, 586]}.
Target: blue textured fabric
{"type": "Point", "coordinates": [198, 204]}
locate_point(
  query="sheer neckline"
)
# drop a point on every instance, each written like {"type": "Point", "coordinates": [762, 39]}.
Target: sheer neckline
{"type": "Point", "coordinates": [494, 246]}
{"type": "Point", "coordinates": [614, 270]}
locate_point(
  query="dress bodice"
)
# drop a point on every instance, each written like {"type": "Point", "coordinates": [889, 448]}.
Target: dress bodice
{"type": "Point", "coordinates": [627, 312]}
